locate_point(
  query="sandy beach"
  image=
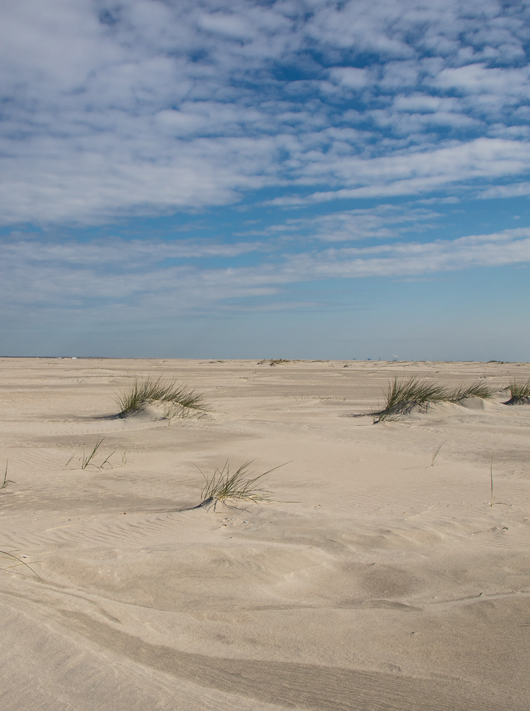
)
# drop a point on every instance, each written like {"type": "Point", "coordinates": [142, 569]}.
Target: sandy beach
{"type": "Point", "coordinates": [381, 575]}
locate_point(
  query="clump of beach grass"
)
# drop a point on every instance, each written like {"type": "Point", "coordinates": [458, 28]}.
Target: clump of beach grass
{"type": "Point", "coordinates": [155, 390]}
{"type": "Point", "coordinates": [519, 393]}
{"type": "Point", "coordinates": [229, 487]}
{"type": "Point", "coordinates": [403, 395]}
{"type": "Point", "coordinates": [478, 389]}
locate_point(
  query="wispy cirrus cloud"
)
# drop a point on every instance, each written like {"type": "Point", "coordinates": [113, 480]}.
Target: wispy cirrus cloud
{"type": "Point", "coordinates": [69, 275]}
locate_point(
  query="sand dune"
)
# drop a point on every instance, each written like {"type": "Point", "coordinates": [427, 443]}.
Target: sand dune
{"type": "Point", "coordinates": [379, 577]}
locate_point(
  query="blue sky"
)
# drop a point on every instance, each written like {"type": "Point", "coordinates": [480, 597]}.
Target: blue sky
{"type": "Point", "coordinates": [292, 179]}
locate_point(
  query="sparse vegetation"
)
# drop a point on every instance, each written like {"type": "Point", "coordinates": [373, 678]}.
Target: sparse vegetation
{"type": "Point", "coordinates": [88, 460]}
{"type": "Point", "coordinates": [154, 390]}
{"type": "Point", "coordinates": [176, 411]}
{"type": "Point", "coordinates": [435, 453]}
{"type": "Point", "coordinates": [403, 395]}
{"type": "Point", "coordinates": [519, 393]}
{"type": "Point", "coordinates": [224, 486]}
{"type": "Point", "coordinates": [6, 481]}
{"type": "Point", "coordinates": [11, 556]}
{"type": "Point", "coordinates": [478, 389]}
{"type": "Point", "coordinates": [273, 361]}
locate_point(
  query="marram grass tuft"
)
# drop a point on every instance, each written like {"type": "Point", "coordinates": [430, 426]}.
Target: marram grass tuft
{"type": "Point", "coordinates": [519, 393]}
{"type": "Point", "coordinates": [151, 390]}
{"type": "Point", "coordinates": [405, 394]}
{"type": "Point", "coordinates": [230, 488]}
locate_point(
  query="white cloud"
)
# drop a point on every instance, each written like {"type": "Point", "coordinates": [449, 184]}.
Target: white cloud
{"type": "Point", "coordinates": [413, 259]}
{"type": "Point", "coordinates": [506, 191]}
{"type": "Point", "coordinates": [149, 107]}
{"type": "Point", "coordinates": [381, 222]}
{"type": "Point", "coordinates": [350, 77]}
{"type": "Point", "coordinates": [136, 278]}
{"type": "Point", "coordinates": [479, 79]}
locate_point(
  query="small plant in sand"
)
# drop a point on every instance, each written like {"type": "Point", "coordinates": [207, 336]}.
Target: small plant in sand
{"type": "Point", "coordinates": [154, 390]}
{"type": "Point", "coordinates": [88, 459]}
{"type": "Point", "coordinates": [230, 488]}
{"type": "Point", "coordinates": [6, 481]}
{"type": "Point", "coordinates": [519, 393]}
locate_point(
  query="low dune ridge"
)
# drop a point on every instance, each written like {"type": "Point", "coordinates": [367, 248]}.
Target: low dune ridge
{"type": "Point", "coordinates": [387, 569]}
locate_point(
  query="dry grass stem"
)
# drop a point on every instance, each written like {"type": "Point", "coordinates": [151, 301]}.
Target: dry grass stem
{"type": "Point", "coordinates": [492, 497]}
{"type": "Point", "coordinates": [6, 481]}
{"type": "Point", "coordinates": [11, 556]}
{"type": "Point", "coordinates": [435, 452]}
{"type": "Point", "coordinates": [491, 482]}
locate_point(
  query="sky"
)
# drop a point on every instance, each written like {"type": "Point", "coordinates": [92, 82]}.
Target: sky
{"type": "Point", "coordinates": [296, 179]}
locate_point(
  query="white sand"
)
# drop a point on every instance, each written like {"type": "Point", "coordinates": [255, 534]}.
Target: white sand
{"type": "Point", "coordinates": [374, 581]}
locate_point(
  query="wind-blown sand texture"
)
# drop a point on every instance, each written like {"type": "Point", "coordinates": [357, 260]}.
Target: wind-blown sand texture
{"type": "Point", "coordinates": [376, 579]}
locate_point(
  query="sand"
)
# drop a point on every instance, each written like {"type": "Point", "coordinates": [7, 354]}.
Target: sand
{"type": "Point", "coordinates": [376, 578]}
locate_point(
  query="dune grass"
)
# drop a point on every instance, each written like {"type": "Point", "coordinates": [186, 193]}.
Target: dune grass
{"type": "Point", "coordinates": [229, 488]}
{"type": "Point", "coordinates": [403, 395]}
{"type": "Point", "coordinates": [519, 393]}
{"type": "Point", "coordinates": [152, 390]}
{"type": "Point", "coordinates": [478, 389]}
{"type": "Point", "coordinates": [86, 459]}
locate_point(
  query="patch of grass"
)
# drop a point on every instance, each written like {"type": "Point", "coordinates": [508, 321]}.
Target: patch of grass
{"type": "Point", "coordinates": [150, 390]}
{"type": "Point", "coordinates": [478, 389]}
{"type": "Point", "coordinates": [228, 488]}
{"type": "Point", "coordinates": [519, 393]}
{"type": "Point", "coordinates": [405, 394]}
